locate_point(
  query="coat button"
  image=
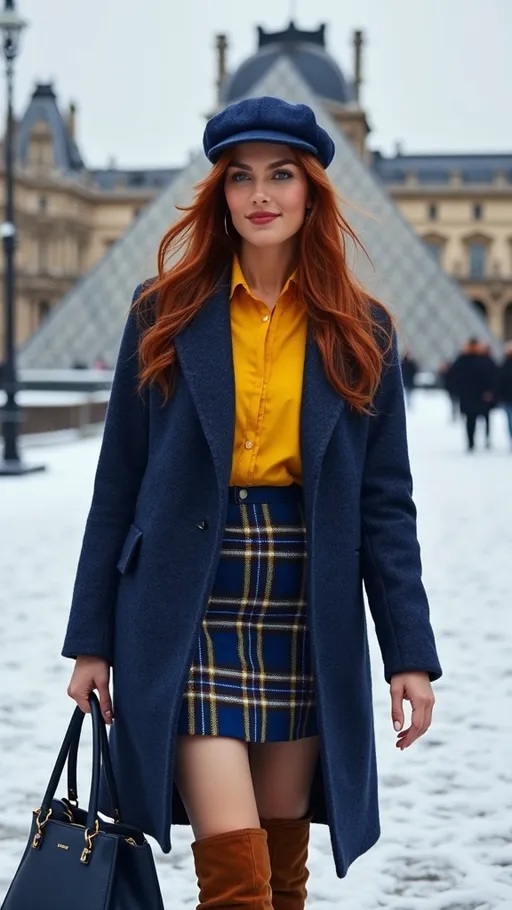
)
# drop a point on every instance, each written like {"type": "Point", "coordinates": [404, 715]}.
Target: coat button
{"type": "Point", "coordinates": [202, 525]}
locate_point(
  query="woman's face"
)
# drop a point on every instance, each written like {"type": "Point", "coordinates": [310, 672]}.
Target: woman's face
{"type": "Point", "coordinates": [266, 192]}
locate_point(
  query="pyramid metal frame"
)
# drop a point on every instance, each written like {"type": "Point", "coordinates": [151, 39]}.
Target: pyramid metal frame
{"type": "Point", "coordinates": [434, 315]}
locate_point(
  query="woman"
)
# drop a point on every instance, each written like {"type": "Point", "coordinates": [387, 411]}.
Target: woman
{"type": "Point", "coordinates": [253, 472]}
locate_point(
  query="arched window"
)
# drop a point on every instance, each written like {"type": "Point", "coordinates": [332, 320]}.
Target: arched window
{"type": "Point", "coordinates": [477, 259]}
{"type": "Point", "coordinates": [478, 247]}
{"type": "Point", "coordinates": [435, 244]}
{"type": "Point", "coordinates": [43, 308]}
{"type": "Point", "coordinates": [480, 307]}
{"type": "Point", "coordinates": [435, 249]}
{"type": "Point", "coordinates": [40, 149]}
{"type": "Point", "coordinates": [507, 322]}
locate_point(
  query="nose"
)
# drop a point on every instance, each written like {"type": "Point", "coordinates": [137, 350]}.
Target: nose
{"type": "Point", "coordinates": [260, 195]}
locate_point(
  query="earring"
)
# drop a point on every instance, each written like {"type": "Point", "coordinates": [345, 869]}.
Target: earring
{"type": "Point", "coordinates": [308, 213]}
{"type": "Point", "coordinates": [226, 225]}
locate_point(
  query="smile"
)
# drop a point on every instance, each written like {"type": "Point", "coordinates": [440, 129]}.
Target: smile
{"type": "Point", "coordinates": [261, 218]}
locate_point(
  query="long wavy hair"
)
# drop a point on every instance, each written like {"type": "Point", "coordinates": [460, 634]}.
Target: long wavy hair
{"type": "Point", "coordinates": [352, 329]}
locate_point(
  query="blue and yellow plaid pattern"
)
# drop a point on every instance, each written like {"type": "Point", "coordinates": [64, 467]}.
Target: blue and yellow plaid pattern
{"type": "Point", "coordinates": [251, 677]}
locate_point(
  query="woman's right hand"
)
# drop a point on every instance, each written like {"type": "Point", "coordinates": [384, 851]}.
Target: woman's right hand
{"type": "Point", "coordinates": [91, 673]}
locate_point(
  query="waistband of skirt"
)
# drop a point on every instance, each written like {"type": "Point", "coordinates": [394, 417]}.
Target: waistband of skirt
{"type": "Point", "coordinates": [249, 495]}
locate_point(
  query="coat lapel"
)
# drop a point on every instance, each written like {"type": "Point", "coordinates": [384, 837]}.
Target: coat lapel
{"type": "Point", "coordinates": [205, 354]}
{"type": "Point", "coordinates": [321, 408]}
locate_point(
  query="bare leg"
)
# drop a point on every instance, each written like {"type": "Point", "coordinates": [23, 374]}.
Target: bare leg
{"type": "Point", "coordinates": [282, 774]}
{"type": "Point", "coordinates": [231, 854]}
{"type": "Point", "coordinates": [213, 777]}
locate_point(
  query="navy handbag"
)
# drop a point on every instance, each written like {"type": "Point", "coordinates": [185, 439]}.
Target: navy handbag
{"type": "Point", "coordinates": [75, 859]}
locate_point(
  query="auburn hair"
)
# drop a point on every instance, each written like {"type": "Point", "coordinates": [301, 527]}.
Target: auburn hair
{"type": "Point", "coordinates": [353, 330]}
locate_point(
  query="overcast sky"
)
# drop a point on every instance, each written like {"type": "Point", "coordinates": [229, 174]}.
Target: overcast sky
{"type": "Point", "coordinates": [437, 73]}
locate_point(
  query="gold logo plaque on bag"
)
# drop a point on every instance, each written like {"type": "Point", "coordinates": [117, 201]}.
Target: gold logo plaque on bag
{"type": "Point", "coordinates": [63, 846]}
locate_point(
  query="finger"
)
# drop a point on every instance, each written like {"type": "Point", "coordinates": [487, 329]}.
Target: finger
{"type": "Point", "coordinates": [81, 698]}
{"type": "Point", "coordinates": [105, 702]}
{"type": "Point", "coordinates": [397, 711]}
{"type": "Point", "coordinates": [414, 731]}
{"type": "Point", "coordinates": [429, 708]}
{"type": "Point", "coordinates": [407, 737]}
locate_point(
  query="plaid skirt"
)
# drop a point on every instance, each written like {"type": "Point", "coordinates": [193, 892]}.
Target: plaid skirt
{"type": "Point", "coordinates": [251, 676]}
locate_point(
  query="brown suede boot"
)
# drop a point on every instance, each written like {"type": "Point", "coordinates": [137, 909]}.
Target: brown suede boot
{"type": "Point", "coordinates": [233, 870]}
{"type": "Point", "coordinates": [288, 840]}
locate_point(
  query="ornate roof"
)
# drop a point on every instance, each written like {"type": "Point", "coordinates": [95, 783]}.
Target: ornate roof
{"type": "Point", "coordinates": [439, 169]}
{"type": "Point", "coordinates": [114, 178]}
{"type": "Point", "coordinates": [43, 107]}
{"type": "Point", "coordinates": [306, 50]}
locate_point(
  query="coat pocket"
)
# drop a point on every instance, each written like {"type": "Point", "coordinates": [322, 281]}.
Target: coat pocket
{"type": "Point", "coordinates": [130, 548]}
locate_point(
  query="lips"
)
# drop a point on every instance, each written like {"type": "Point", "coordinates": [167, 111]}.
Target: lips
{"type": "Point", "coordinates": [261, 218]}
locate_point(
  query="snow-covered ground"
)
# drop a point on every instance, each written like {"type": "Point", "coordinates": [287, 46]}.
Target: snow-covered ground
{"type": "Point", "coordinates": [446, 803]}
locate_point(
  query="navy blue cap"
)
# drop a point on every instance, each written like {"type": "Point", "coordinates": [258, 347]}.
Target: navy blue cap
{"type": "Point", "coordinates": [267, 120]}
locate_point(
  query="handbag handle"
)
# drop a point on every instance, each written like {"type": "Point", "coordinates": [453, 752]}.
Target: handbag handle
{"type": "Point", "coordinates": [107, 767]}
{"type": "Point", "coordinates": [72, 733]}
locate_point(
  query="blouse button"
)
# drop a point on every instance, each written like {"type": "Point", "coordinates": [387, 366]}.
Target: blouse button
{"type": "Point", "coordinates": [265, 319]}
{"type": "Point", "coordinates": [248, 444]}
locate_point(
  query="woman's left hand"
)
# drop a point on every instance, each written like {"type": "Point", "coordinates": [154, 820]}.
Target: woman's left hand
{"type": "Point", "coordinates": [416, 688]}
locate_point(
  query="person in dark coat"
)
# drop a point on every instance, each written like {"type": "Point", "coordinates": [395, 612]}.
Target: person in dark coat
{"type": "Point", "coordinates": [409, 371]}
{"type": "Point", "coordinates": [505, 386]}
{"type": "Point", "coordinates": [447, 380]}
{"type": "Point", "coordinates": [474, 382]}
{"type": "Point", "coordinates": [492, 381]}
{"type": "Point", "coordinates": [253, 474]}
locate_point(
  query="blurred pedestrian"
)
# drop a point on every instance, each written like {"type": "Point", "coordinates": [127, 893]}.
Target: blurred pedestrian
{"type": "Point", "coordinates": [447, 380]}
{"type": "Point", "coordinates": [505, 386]}
{"type": "Point", "coordinates": [409, 370]}
{"type": "Point", "coordinates": [474, 382]}
{"type": "Point", "coordinates": [492, 370]}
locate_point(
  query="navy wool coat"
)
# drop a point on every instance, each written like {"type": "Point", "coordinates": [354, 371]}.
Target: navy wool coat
{"type": "Point", "coordinates": [152, 543]}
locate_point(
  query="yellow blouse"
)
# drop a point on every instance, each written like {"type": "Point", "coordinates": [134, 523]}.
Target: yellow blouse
{"type": "Point", "coordinates": [268, 356]}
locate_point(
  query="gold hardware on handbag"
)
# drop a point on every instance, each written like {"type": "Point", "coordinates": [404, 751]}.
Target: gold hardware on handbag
{"type": "Point", "coordinates": [86, 852]}
{"type": "Point", "coordinates": [38, 836]}
{"type": "Point", "coordinates": [85, 862]}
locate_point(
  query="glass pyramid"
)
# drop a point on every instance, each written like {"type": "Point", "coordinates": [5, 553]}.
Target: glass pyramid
{"type": "Point", "coordinates": [434, 316]}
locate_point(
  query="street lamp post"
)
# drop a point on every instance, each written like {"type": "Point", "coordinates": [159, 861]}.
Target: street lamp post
{"type": "Point", "coordinates": [11, 26]}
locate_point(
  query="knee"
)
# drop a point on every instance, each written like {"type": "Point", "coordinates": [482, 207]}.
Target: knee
{"type": "Point", "coordinates": [289, 806]}
{"type": "Point", "coordinates": [280, 816]}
